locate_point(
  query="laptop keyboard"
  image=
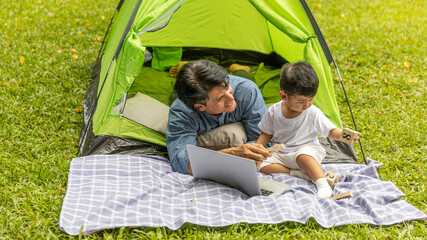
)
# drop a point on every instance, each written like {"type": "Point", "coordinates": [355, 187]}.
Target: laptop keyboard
{"type": "Point", "coordinates": [265, 192]}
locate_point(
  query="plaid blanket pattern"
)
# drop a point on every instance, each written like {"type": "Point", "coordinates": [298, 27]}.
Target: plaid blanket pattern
{"type": "Point", "coordinates": [109, 191]}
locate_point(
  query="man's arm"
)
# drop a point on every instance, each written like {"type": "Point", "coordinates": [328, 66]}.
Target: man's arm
{"type": "Point", "coordinates": [254, 151]}
{"type": "Point", "coordinates": [252, 109]}
{"type": "Point", "coordinates": [181, 130]}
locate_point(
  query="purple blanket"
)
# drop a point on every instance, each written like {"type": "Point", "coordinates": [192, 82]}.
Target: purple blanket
{"type": "Point", "coordinates": [109, 191]}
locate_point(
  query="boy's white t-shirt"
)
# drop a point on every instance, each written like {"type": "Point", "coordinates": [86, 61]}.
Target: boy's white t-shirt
{"type": "Point", "coordinates": [294, 132]}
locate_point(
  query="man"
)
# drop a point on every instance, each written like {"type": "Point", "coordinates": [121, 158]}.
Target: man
{"type": "Point", "coordinates": [209, 98]}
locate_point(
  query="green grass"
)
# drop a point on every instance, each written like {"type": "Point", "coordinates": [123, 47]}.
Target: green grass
{"type": "Point", "coordinates": [379, 47]}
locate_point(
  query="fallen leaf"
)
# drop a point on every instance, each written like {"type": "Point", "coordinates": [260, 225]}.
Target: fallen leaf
{"type": "Point", "coordinates": [80, 32]}
{"type": "Point", "coordinates": [5, 84]}
{"type": "Point", "coordinates": [59, 51]}
{"type": "Point", "coordinates": [74, 57]}
{"type": "Point", "coordinates": [406, 64]}
{"type": "Point", "coordinates": [51, 14]}
{"type": "Point", "coordinates": [87, 24]}
{"type": "Point", "coordinates": [73, 50]}
{"type": "Point", "coordinates": [393, 149]}
{"type": "Point", "coordinates": [22, 60]}
{"type": "Point", "coordinates": [33, 50]}
{"type": "Point", "coordinates": [7, 42]}
{"type": "Point", "coordinates": [78, 110]}
{"type": "Point", "coordinates": [102, 17]}
{"type": "Point", "coordinates": [63, 189]}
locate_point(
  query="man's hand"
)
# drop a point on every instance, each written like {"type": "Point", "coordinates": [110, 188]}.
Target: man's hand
{"type": "Point", "coordinates": [189, 170]}
{"type": "Point", "coordinates": [254, 151]}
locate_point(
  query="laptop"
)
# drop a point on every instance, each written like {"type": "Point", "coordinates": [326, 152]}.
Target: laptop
{"type": "Point", "coordinates": [233, 171]}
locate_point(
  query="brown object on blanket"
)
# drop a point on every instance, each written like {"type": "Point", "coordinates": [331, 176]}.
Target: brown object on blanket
{"type": "Point", "coordinates": [342, 195]}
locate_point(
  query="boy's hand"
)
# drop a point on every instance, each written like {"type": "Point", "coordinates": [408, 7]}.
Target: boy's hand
{"type": "Point", "coordinates": [276, 148]}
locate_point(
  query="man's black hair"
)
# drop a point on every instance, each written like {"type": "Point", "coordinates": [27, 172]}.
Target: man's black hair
{"type": "Point", "coordinates": [299, 79]}
{"type": "Point", "coordinates": [196, 79]}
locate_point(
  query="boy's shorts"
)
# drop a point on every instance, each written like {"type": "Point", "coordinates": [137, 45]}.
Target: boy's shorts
{"type": "Point", "coordinates": [289, 160]}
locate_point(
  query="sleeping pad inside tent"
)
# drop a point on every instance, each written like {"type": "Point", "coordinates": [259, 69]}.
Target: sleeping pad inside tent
{"type": "Point", "coordinates": [127, 102]}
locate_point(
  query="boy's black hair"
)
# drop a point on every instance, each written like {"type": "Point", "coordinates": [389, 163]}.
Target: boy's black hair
{"type": "Point", "coordinates": [196, 79]}
{"type": "Point", "coordinates": [299, 79]}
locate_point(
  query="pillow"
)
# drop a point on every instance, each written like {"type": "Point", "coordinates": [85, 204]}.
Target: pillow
{"type": "Point", "coordinates": [147, 111]}
{"type": "Point", "coordinates": [230, 135]}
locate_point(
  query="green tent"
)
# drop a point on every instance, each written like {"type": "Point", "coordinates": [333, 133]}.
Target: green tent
{"type": "Point", "coordinates": [145, 38]}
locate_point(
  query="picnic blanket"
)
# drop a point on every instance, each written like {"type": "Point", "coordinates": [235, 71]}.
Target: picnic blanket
{"type": "Point", "coordinates": [110, 191]}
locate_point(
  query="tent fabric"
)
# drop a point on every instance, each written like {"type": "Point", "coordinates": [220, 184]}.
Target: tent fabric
{"type": "Point", "coordinates": [290, 17]}
{"type": "Point", "coordinates": [267, 27]}
{"type": "Point", "coordinates": [214, 24]}
{"type": "Point", "coordinates": [134, 191]}
{"type": "Point", "coordinates": [165, 57]}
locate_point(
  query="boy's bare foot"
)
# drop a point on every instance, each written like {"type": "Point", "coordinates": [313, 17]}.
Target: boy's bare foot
{"type": "Point", "coordinates": [173, 71]}
{"type": "Point", "coordinates": [234, 67]}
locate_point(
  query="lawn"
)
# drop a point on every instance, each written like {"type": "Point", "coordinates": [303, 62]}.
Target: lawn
{"type": "Point", "coordinates": [47, 46]}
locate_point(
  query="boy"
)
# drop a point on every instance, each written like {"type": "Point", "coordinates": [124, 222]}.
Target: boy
{"type": "Point", "coordinates": [296, 122]}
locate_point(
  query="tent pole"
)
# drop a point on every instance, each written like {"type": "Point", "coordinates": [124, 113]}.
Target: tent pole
{"type": "Point", "coordinates": [351, 111]}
